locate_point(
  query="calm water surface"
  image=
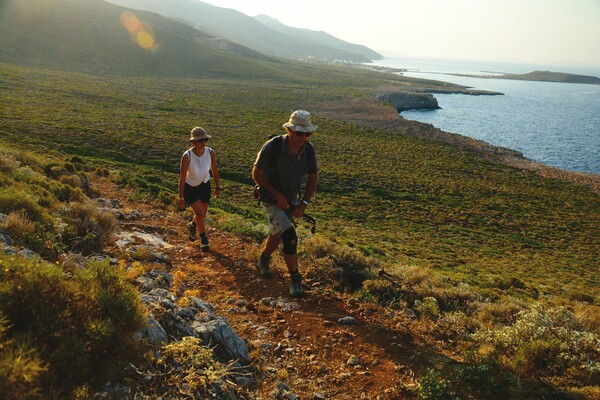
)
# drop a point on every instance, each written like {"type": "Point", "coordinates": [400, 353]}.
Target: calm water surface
{"type": "Point", "coordinates": [557, 124]}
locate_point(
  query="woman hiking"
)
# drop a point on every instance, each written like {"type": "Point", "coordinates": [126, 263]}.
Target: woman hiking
{"type": "Point", "coordinates": [197, 165]}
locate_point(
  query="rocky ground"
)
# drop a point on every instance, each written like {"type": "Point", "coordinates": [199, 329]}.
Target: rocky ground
{"type": "Point", "coordinates": [326, 345]}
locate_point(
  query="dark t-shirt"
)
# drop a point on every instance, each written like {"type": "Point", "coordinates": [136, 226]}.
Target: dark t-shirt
{"type": "Point", "coordinates": [287, 173]}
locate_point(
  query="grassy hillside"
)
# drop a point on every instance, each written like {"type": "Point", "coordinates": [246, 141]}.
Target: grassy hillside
{"type": "Point", "coordinates": [389, 196]}
{"type": "Point", "coordinates": [245, 30]}
{"type": "Point", "coordinates": [91, 36]}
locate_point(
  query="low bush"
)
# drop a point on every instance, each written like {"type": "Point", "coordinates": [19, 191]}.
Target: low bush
{"type": "Point", "coordinates": [64, 191]}
{"type": "Point", "coordinates": [428, 308]}
{"type": "Point", "coordinates": [18, 200]}
{"type": "Point", "coordinates": [192, 364]}
{"type": "Point", "coordinates": [18, 226]}
{"type": "Point", "coordinates": [87, 229]}
{"type": "Point", "coordinates": [342, 267]}
{"type": "Point", "coordinates": [8, 163]}
{"type": "Point", "coordinates": [434, 387]}
{"type": "Point", "coordinates": [20, 366]}
{"type": "Point", "coordinates": [543, 343]}
{"type": "Point", "coordinates": [64, 330]}
{"type": "Point", "coordinates": [384, 292]}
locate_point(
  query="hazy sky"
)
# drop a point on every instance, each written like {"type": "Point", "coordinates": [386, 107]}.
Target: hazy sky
{"type": "Point", "coordinates": [523, 31]}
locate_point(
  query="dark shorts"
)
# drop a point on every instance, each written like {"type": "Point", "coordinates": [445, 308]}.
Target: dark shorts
{"type": "Point", "coordinates": [192, 194]}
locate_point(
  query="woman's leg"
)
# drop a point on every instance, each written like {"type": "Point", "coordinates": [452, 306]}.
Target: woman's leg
{"type": "Point", "coordinates": [200, 210]}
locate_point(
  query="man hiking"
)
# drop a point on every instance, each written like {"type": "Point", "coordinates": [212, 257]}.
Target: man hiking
{"type": "Point", "coordinates": [279, 170]}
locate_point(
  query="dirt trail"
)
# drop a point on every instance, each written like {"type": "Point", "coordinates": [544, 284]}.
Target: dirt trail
{"type": "Point", "coordinates": [314, 348]}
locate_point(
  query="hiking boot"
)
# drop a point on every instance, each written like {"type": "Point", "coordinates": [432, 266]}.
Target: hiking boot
{"type": "Point", "coordinates": [192, 230]}
{"type": "Point", "coordinates": [204, 241]}
{"type": "Point", "coordinates": [296, 285]}
{"type": "Point", "coordinates": [263, 266]}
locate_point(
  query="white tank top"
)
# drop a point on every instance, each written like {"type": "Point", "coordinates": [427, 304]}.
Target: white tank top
{"type": "Point", "coordinates": [199, 167]}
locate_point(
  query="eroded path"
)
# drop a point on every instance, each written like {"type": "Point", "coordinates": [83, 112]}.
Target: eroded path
{"type": "Point", "coordinates": [296, 341]}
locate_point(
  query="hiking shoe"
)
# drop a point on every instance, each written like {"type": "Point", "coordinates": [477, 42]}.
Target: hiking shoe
{"type": "Point", "coordinates": [296, 285]}
{"type": "Point", "coordinates": [263, 266]}
{"type": "Point", "coordinates": [204, 241]}
{"type": "Point", "coordinates": [192, 230]}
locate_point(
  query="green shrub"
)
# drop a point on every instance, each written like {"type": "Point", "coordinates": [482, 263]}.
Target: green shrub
{"type": "Point", "coordinates": [19, 226]}
{"type": "Point", "coordinates": [543, 343]}
{"type": "Point", "coordinates": [582, 297]}
{"type": "Point", "coordinates": [499, 313]}
{"type": "Point", "coordinates": [434, 387]}
{"type": "Point", "coordinates": [242, 226]}
{"type": "Point", "coordinates": [17, 199]}
{"type": "Point", "coordinates": [384, 292]}
{"type": "Point", "coordinates": [87, 229]}
{"type": "Point", "coordinates": [70, 167]}
{"type": "Point", "coordinates": [64, 190]}
{"type": "Point", "coordinates": [192, 363]}
{"type": "Point", "coordinates": [54, 170]}
{"type": "Point", "coordinates": [428, 307]}
{"type": "Point", "coordinates": [343, 267]}
{"type": "Point", "coordinates": [76, 160]}
{"type": "Point", "coordinates": [8, 164]}
{"type": "Point", "coordinates": [319, 247]}
{"type": "Point", "coordinates": [102, 172]}
{"type": "Point", "coordinates": [79, 327]}
{"type": "Point", "coordinates": [20, 366]}
{"type": "Point", "coordinates": [485, 376]}
{"type": "Point", "coordinates": [72, 180]}
{"type": "Point", "coordinates": [167, 199]}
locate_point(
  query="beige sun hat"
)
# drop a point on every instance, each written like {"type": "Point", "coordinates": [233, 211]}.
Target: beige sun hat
{"type": "Point", "coordinates": [197, 134]}
{"type": "Point", "coordinates": [300, 122]}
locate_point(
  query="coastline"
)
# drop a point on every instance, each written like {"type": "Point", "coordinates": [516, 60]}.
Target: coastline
{"type": "Point", "coordinates": [382, 114]}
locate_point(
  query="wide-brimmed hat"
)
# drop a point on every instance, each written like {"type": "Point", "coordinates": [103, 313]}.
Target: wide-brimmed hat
{"type": "Point", "coordinates": [300, 122]}
{"type": "Point", "coordinates": [198, 133]}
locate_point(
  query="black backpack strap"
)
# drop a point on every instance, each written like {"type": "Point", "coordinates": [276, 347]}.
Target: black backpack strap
{"type": "Point", "coordinates": [273, 156]}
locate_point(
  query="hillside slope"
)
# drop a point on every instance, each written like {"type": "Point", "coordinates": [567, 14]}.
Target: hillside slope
{"type": "Point", "coordinates": [317, 37]}
{"type": "Point", "coordinates": [91, 36]}
{"type": "Point", "coordinates": [240, 28]}
{"type": "Point", "coordinates": [313, 347]}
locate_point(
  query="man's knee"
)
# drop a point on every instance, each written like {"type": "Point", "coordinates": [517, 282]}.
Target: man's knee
{"type": "Point", "coordinates": [290, 241]}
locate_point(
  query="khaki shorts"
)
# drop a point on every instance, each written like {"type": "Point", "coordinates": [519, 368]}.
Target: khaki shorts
{"type": "Point", "coordinates": [279, 221]}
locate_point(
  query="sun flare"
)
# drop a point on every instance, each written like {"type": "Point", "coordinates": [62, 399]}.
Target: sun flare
{"type": "Point", "coordinates": [140, 33]}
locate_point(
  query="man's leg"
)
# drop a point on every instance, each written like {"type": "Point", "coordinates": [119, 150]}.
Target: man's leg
{"type": "Point", "coordinates": [271, 244]}
{"type": "Point", "coordinates": [290, 255]}
{"type": "Point", "coordinates": [269, 248]}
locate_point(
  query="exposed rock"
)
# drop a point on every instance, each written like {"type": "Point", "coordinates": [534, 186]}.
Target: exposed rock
{"type": "Point", "coordinates": [404, 101]}
{"type": "Point", "coordinates": [5, 240]}
{"type": "Point", "coordinates": [218, 332]}
{"type": "Point", "coordinates": [347, 320]}
{"type": "Point", "coordinates": [154, 332]}
{"type": "Point", "coordinates": [197, 318]}
{"type": "Point", "coordinates": [281, 303]}
{"type": "Point", "coordinates": [353, 360]}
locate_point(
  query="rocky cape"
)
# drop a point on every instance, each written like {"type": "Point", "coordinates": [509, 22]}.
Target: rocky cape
{"type": "Point", "coordinates": [423, 99]}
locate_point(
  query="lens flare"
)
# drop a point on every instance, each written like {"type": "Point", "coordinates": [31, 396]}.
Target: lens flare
{"type": "Point", "coordinates": [140, 33]}
{"type": "Point", "coordinates": [145, 40]}
{"type": "Point", "coordinates": [131, 22]}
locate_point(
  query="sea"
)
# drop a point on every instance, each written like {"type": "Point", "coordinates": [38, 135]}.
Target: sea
{"type": "Point", "coordinates": [557, 124]}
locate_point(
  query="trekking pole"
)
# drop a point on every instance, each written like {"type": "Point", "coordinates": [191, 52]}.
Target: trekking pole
{"type": "Point", "coordinates": [306, 217]}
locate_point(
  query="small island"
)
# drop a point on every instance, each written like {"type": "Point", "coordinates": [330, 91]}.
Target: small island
{"type": "Point", "coordinates": [543, 76]}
